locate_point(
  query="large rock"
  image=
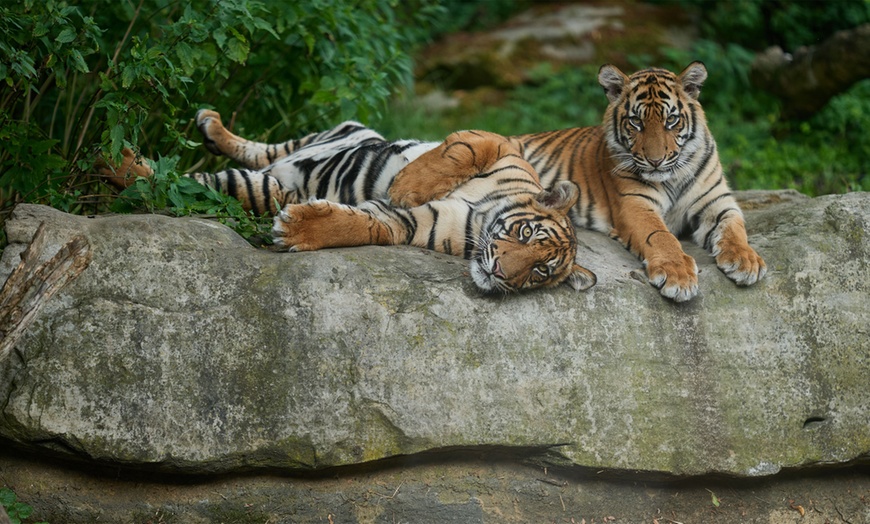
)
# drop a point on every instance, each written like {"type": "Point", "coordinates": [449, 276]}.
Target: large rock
{"type": "Point", "coordinates": [182, 348]}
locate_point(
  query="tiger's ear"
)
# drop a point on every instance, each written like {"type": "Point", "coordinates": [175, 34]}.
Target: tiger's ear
{"type": "Point", "coordinates": [692, 78]}
{"type": "Point", "coordinates": [561, 198]}
{"type": "Point", "coordinates": [612, 80]}
{"type": "Point", "coordinates": [581, 278]}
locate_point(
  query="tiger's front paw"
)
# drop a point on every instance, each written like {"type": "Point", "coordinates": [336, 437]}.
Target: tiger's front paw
{"type": "Point", "coordinates": [741, 264]}
{"type": "Point", "coordinates": [300, 227]}
{"type": "Point", "coordinates": [676, 279]}
{"type": "Point", "coordinates": [209, 124]}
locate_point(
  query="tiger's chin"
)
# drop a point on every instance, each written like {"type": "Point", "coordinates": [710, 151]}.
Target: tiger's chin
{"type": "Point", "coordinates": [657, 176]}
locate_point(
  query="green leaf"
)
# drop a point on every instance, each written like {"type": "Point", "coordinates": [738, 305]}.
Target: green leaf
{"type": "Point", "coordinates": [128, 74]}
{"type": "Point", "coordinates": [66, 36]}
{"type": "Point", "coordinates": [259, 23]}
{"type": "Point", "coordinates": [7, 497]}
{"type": "Point", "coordinates": [23, 510]}
{"type": "Point", "coordinates": [190, 186]}
{"type": "Point", "coordinates": [220, 37]}
{"type": "Point", "coordinates": [185, 56]}
{"type": "Point", "coordinates": [117, 140]}
{"type": "Point", "coordinates": [714, 499]}
{"type": "Point", "coordinates": [237, 50]}
{"type": "Point", "coordinates": [79, 61]}
{"type": "Point", "coordinates": [165, 164]}
{"type": "Point", "coordinates": [176, 198]}
{"type": "Point", "coordinates": [40, 29]}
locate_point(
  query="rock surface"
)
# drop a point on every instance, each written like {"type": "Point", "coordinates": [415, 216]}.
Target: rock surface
{"type": "Point", "coordinates": [559, 34]}
{"type": "Point", "coordinates": [183, 349]}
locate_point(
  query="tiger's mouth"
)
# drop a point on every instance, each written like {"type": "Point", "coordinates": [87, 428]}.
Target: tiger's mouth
{"type": "Point", "coordinates": [484, 268]}
{"type": "Point", "coordinates": [488, 277]}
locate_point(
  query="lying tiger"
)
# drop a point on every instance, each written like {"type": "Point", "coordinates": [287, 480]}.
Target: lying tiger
{"type": "Point", "coordinates": [517, 235]}
{"type": "Point", "coordinates": [649, 172]}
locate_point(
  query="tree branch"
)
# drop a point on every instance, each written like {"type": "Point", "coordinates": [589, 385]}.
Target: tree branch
{"type": "Point", "coordinates": [31, 284]}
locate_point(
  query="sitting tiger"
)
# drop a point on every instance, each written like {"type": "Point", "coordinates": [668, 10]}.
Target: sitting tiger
{"type": "Point", "coordinates": [517, 235]}
{"type": "Point", "coordinates": [649, 172]}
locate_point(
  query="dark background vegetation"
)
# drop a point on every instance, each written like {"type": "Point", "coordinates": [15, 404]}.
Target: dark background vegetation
{"type": "Point", "coordinates": [84, 79]}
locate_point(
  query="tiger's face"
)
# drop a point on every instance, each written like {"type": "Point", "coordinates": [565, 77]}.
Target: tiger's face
{"type": "Point", "coordinates": [654, 119]}
{"type": "Point", "coordinates": [531, 246]}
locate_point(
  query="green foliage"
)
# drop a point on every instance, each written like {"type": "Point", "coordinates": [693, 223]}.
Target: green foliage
{"type": "Point", "coordinates": [554, 99]}
{"type": "Point", "coordinates": [18, 512]}
{"type": "Point", "coordinates": [168, 190]}
{"type": "Point", "coordinates": [471, 15]}
{"type": "Point", "coordinates": [86, 80]}
{"type": "Point", "coordinates": [758, 24]}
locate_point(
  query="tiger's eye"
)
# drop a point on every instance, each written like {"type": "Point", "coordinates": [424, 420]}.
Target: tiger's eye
{"type": "Point", "coordinates": [525, 232]}
{"type": "Point", "coordinates": [542, 269]}
{"type": "Point", "coordinates": [635, 122]}
{"type": "Point", "coordinates": [672, 120]}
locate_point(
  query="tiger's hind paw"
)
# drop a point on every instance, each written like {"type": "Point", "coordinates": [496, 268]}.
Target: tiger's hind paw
{"type": "Point", "coordinates": [209, 124]}
{"type": "Point", "coordinates": [132, 166]}
{"type": "Point", "coordinates": [742, 265]}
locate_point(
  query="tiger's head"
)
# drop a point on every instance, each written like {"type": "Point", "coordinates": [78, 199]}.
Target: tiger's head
{"type": "Point", "coordinates": [531, 244]}
{"type": "Point", "coordinates": [654, 121]}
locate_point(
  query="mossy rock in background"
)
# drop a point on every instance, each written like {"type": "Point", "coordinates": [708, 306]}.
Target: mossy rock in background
{"type": "Point", "coordinates": [561, 35]}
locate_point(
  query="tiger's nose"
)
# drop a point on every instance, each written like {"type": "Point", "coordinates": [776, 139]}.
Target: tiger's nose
{"type": "Point", "coordinates": [655, 162]}
{"type": "Point", "coordinates": [496, 270]}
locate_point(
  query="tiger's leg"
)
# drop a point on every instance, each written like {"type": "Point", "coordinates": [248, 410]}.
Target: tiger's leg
{"type": "Point", "coordinates": [641, 229]}
{"type": "Point", "coordinates": [734, 256]}
{"type": "Point", "coordinates": [462, 156]}
{"type": "Point", "coordinates": [321, 224]}
{"type": "Point", "coordinates": [256, 191]}
{"type": "Point", "coordinates": [122, 176]}
{"type": "Point", "coordinates": [252, 155]}
{"type": "Point", "coordinates": [721, 230]}
{"type": "Point", "coordinates": [259, 155]}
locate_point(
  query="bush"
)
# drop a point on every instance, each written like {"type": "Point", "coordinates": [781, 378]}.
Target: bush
{"type": "Point", "coordinates": [87, 80]}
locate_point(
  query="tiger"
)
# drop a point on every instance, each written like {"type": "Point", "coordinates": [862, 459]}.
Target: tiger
{"type": "Point", "coordinates": [330, 189]}
{"type": "Point", "coordinates": [648, 173]}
